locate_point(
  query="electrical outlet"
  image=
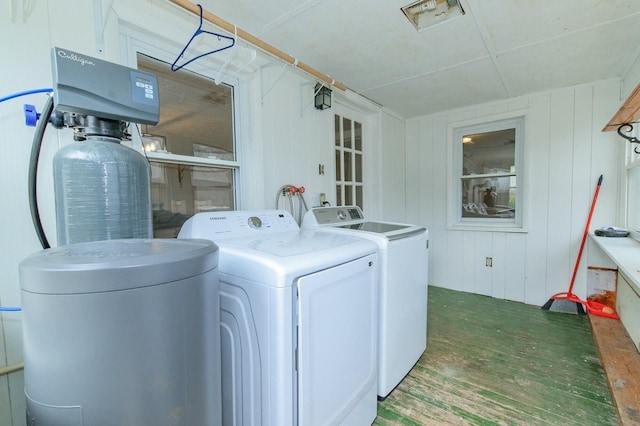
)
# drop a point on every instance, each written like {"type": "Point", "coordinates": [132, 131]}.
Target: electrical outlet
{"type": "Point", "coordinates": [489, 262]}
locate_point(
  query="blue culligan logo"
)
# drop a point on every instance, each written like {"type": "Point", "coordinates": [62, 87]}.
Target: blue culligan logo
{"type": "Point", "coordinates": [75, 57]}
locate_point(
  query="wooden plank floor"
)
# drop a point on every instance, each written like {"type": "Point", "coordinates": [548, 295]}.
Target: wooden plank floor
{"type": "Point", "coordinates": [621, 362]}
{"type": "Point", "coordinates": [494, 362]}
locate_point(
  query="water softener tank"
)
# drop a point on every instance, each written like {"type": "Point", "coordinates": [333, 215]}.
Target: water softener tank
{"type": "Point", "coordinates": [102, 192]}
{"type": "Point", "coordinates": [122, 332]}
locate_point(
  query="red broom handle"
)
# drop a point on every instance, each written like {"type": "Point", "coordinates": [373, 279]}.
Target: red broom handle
{"type": "Point", "coordinates": [584, 236]}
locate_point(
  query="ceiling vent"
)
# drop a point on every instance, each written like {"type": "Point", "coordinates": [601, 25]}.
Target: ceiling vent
{"type": "Point", "coordinates": [427, 13]}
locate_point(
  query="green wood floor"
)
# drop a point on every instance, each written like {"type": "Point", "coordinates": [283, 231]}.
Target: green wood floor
{"type": "Point", "coordinates": [494, 362]}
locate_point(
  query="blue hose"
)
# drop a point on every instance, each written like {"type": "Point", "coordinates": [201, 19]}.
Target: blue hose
{"type": "Point", "coordinates": [28, 92]}
{"type": "Point", "coordinates": [10, 309]}
{"type": "Point", "coordinates": [6, 98]}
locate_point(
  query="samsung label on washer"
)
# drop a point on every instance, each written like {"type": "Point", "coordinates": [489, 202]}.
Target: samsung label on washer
{"type": "Point", "coordinates": [217, 218]}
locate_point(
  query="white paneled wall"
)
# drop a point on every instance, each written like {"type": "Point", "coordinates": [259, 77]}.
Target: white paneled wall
{"type": "Point", "coordinates": [632, 79]}
{"type": "Point", "coordinates": [22, 32]}
{"type": "Point", "coordinates": [281, 136]}
{"type": "Point", "coordinates": [296, 136]}
{"type": "Point", "coordinates": [565, 153]}
{"type": "Point", "coordinates": [282, 140]}
{"type": "Point", "coordinates": [393, 177]}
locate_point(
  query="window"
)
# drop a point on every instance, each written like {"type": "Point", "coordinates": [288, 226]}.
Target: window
{"type": "Point", "coordinates": [348, 153]}
{"type": "Point", "coordinates": [191, 150]}
{"type": "Point", "coordinates": [633, 200]}
{"type": "Point", "coordinates": [632, 161]}
{"type": "Point", "coordinates": [487, 164]}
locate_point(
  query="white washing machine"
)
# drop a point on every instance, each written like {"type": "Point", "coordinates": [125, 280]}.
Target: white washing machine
{"type": "Point", "coordinates": [403, 255]}
{"type": "Point", "coordinates": [298, 320]}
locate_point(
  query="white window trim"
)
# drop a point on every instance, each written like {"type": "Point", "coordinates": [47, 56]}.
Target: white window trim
{"type": "Point", "coordinates": [365, 114]}
{"type": "Point", "coordinates": [631, 161]}
{"type": "Point", "coordinates": [350, 181]}
{"type": "Point", "coordinates": [132, 43]}
{"type": "Point", "coordinates": [188, 160]}
{"type": "Point", "coordinates": [454, 151]}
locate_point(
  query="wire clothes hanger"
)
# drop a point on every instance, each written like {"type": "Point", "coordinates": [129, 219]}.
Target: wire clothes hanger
{"type": "Point", "coordinates": [240, 59]}
{"type": "Point", "coordinates": [199, 31]}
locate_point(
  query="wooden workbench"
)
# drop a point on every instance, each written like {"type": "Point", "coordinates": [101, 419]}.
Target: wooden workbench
{"type": "Point", "coordinates": [618, 341]}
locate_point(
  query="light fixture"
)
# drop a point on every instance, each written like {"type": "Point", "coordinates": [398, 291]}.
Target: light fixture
{"type": "Point", "coordinates": [153, 143]}
{"type": "Point", "coordinates": [466, 140]}
{"type": "Point", "coordinates": [426, 13]}
{"type": "Point", "coordinates": [322, 96]}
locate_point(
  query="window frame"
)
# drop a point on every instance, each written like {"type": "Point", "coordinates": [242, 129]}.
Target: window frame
{"type": "Point", "coordinates": [133, 42]}
{"type": "Point", "coordinates": [516, 120]}
{"type": "Point", "coordinates": [632, 165]}
{"type": "Point", "coordinates": [342, 181]}
{"type": "Point", "coordinates": [136, 43]}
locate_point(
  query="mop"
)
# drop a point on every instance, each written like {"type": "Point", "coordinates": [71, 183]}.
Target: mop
{"type": "Point", "coordinates": [568, 302]}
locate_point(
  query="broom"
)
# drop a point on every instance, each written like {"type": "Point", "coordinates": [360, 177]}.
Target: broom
{"type": "Point", "coordinates": [568, 302]}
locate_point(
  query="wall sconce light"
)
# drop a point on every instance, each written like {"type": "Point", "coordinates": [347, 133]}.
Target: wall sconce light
{"type": "Point", "coordinates": [322, 97]}
{"type": "Point", "coordinates": [631, 139]}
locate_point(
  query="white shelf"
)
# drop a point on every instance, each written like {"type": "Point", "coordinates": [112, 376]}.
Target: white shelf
{"type": "Point", "coordinates": [625, 253]}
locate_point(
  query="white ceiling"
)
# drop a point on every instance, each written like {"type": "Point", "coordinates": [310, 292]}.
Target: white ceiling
{"type": "Point", "coordinates": [499, 49]}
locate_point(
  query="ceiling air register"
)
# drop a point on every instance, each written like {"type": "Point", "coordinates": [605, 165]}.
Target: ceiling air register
{"type": "Point", "coordinates": [426, 13]}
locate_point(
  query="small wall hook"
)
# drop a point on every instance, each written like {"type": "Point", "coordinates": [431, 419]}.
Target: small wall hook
{"type": "Point", "coordinates": [631, 139]}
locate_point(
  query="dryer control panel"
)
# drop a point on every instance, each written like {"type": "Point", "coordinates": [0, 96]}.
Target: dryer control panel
{"type": "Point", "coordinates": [234, 224]}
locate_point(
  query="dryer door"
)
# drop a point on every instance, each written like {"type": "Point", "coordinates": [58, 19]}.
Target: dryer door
{"type": "Point", "coordinates": [337, 336]}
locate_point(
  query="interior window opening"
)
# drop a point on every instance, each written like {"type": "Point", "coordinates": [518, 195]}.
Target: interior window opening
{"type": "Point", "coordinates": [191, 149]}
{"type": "Point", "coordinates": [349, 161]}
{"type": "Point", "coordinates": [488, 158]}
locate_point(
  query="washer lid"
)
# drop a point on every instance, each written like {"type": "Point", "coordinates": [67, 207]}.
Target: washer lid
{"type": "Point", "coordinates": [352, 218]}
{"type": "Point", "coordinates": [111, 265]}
{"type": "Point", "coordinates": [393, 231]}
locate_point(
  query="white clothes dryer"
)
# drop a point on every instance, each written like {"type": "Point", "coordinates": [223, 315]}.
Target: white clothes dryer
{"type": "Point", "coordinates": [298, 320]}
{"type": "Point", "coordinates": [403, 257]}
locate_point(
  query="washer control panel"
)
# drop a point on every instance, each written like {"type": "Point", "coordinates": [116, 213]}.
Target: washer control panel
{"type": "Point", "coordinates": [334, 215]}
